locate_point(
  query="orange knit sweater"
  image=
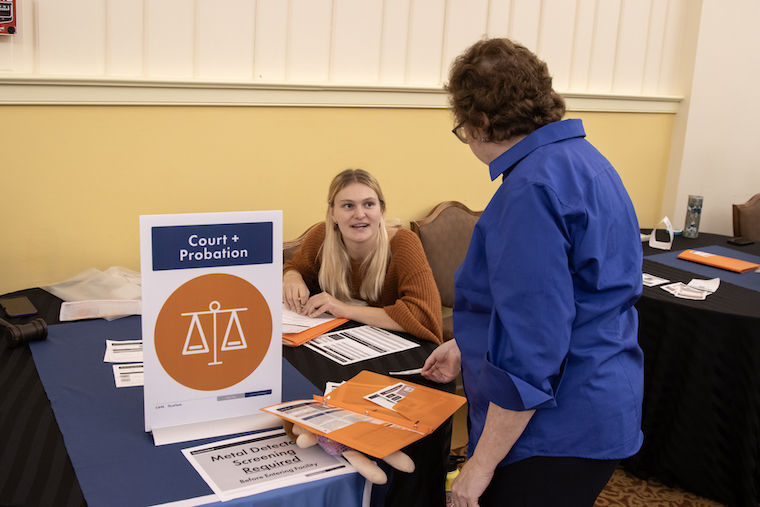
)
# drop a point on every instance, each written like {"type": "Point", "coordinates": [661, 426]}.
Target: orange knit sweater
{"type": "Point", "coordinates": [409, 295]}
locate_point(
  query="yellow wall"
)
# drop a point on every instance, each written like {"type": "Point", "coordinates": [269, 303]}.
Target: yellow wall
{"type": "Point", "coordinates": [76, 178]}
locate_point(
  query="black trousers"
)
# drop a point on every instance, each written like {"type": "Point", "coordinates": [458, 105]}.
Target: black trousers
{"type": "Point", "coordinates": [548, 482]}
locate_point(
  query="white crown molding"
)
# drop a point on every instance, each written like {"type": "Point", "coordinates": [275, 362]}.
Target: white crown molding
{"type": "Point", "coordinates": [18, 90]}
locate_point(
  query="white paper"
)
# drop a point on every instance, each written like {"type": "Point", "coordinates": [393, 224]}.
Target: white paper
{"type": "Point", "coordinates": [652, 281]}
{"type": "Point", "coordinates": [331, 386]}
{"type": "Point", "coordinates": [680, 290]}
{"type": "Point", "coordinates": [108, 309]}
{"type": "Point", "coordinates": [126, 351]}
{"type": "Point", "coordinates": [294, 323]}
{"type": "Point", "coordinates": [128, 375]}
{"type": "Point", "coordinates": [325, 418]}
{"type": "Point", "coordinates": [261, 462]}
{"type": "Point", "coordinates": [389, 396]}
{"type": "Point", "coordinates": [359, 344]}
{"type": "Point", "coordinates": [708, 286]}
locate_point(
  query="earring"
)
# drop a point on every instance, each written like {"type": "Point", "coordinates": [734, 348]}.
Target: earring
{"type": "Point", "coordinates": [335, 226]}
{"type": "Point", "coordinates": [483, 140]}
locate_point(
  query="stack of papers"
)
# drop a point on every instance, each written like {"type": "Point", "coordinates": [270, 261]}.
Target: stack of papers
{"type": "Point", "coordinates": [359, 344]}
{"type": "Point", "coordinates": [297, 329]}
{"type": "Point", "coordinates": [129, 355]}
{"type": "Point", "coordinates": [694, 290]}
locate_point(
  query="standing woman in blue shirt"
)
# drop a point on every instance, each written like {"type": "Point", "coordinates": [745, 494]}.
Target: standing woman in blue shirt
{"type": "Point", "coordinates": [544, 323]}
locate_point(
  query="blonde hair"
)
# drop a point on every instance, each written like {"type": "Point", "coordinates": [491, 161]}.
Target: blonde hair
{"type": "Point", "coordinates": [335, 271]}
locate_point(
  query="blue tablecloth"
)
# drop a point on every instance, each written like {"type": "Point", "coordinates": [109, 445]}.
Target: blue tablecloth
{"type": "Point", "coordinates": [749, 280]}
{"type": "Point", "coordinates": [115, 461]}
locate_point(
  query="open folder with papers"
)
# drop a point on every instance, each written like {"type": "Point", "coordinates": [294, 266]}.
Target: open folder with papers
{"type": "Point", "coordinates": [372, 413]}
{"type": "Point", "coordinates": [298, 329]}
{"type": "Point", "coordinates": [718, 261]}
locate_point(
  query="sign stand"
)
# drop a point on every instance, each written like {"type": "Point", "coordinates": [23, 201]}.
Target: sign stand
{"type": "Point", "coordinates": [211, 324]}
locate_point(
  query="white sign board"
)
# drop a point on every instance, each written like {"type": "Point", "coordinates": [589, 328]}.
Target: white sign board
{"type": "Point", "coordinates": [261, 462]}
{"type": "Point", "coordinates": [211, 319]}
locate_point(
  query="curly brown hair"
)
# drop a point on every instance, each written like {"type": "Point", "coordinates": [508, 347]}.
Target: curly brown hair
{"type": "Point", "coordinates": [508, 83]}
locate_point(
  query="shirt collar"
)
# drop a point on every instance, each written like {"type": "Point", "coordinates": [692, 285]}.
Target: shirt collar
{"type": "Point", "coordinates": [548, 134]}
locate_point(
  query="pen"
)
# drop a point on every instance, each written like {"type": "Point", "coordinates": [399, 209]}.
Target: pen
{"type": "Point", "coordinates": [406, 372]}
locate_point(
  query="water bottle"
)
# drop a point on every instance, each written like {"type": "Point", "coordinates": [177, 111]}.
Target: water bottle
{"type": "Point", "coordinates": [693, 214]}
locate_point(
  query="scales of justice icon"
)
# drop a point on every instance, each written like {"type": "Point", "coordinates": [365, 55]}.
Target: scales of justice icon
{"type": "Point", "coordinates": [214, 308]}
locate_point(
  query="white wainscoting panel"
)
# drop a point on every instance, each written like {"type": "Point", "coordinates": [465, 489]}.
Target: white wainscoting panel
{"type": "Point", "coordinates": [594, 48]}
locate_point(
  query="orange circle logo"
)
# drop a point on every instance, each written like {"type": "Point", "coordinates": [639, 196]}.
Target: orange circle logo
{"type": "Point", "coordinates": [213, 332]}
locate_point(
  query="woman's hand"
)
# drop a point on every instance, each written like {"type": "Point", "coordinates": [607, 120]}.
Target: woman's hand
{"type": "Point", "coordinates": [444, 363]}
{"type": "Point", "coordinates": [295, 293]}
{"type": "Point", "coordinates": [471, 482]}
{"type": "Point", "coordinates": [325, 303]}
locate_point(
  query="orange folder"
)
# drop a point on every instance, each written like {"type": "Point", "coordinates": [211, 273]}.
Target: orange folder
{"type": "Point", "coordinates": [718, 261]}
{"type": "Point", "coordinates": [296, 339]}
{"type": "Point", "coordinates": [418, 414]}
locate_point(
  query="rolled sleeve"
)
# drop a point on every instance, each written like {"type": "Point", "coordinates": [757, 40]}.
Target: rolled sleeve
{"type": "Point", "coordinates": [510, 392]}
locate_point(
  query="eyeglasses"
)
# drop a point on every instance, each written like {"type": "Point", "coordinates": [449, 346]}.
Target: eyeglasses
{"type": "Point", "coordinates": [461, 133]}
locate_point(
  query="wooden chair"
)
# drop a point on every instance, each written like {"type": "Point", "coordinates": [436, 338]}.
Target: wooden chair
{"type": "Point", "coordinates": [747, 218]}
{"type": "Point", "coordinates": [445, 234]}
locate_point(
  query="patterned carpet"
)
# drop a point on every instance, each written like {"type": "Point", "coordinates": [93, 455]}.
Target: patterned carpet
{"type": "Point", "coordinates": [626, 490]}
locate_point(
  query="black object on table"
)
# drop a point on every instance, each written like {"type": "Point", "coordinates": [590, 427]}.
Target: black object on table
{"type": "Point", "coordinates": [35, 469]}
{"type": "Point", "coordinates": [701, 414]}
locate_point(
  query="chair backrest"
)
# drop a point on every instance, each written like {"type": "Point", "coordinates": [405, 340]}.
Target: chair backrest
{"type": "Point", "coordinates": [445, 234]}
{"type": "Point", "coordinates": [747, 218]}
{"type": "Point", "coordinates": [289, 247]}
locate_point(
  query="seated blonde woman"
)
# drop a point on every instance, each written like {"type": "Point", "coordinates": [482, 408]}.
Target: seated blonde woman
{"type": "Point", "coordinates": [357, 268]}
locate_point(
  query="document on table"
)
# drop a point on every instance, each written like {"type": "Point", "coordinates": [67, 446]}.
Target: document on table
{"type": "Point", "coordinates": [298, 329]}
{"type": "Point", "coordinates": [359, 344]}
{"type": "Point", "coordinates": [652, 281]}
{"type": "Point", "coordinates": [294, 323]}
{"type": "Point", "coordinates": [129, 353]}
{"type": "Point", "coordinates": [696, 289]}
{"type": "Point", "coordinates": [126, 351]}
{"type": "Point", "coordinates": [128, 374]}
{"type": "Point", "coordinates": [261, 462]}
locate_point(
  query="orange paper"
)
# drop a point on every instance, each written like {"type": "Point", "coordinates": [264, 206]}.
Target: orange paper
{"type": "Point", "coordinates": [418, 414]}
{"type": "Point", "coordinates": [718, 261]}
{"type": "Point", "coordinates": [296, 339]}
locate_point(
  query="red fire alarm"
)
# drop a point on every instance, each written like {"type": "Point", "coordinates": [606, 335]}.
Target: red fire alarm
{"type": "Point", "coordinates": [7, 17]}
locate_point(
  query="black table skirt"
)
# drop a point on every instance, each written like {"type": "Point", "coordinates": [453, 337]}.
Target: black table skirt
{"type": "Point", "coordinates": [35, 469]}
{"type": "Point", "coordinates": [701, 418]}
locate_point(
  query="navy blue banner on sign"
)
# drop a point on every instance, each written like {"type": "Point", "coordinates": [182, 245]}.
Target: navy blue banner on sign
{"type": "Point", "coordinates": [211, 246]}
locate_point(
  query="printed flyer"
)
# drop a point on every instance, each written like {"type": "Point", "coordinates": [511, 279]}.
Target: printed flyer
{"type": "Point", "coordinates": [261, 462]}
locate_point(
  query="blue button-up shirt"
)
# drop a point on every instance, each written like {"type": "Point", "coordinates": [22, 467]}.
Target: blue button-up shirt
{"type": "Point", "coordinates": [544, 313]}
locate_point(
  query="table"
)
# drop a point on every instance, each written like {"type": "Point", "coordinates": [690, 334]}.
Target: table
{"type": "Point", "coordinates": [35, 467]}
{"type": "Point", "coordinates": [701, 413]}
